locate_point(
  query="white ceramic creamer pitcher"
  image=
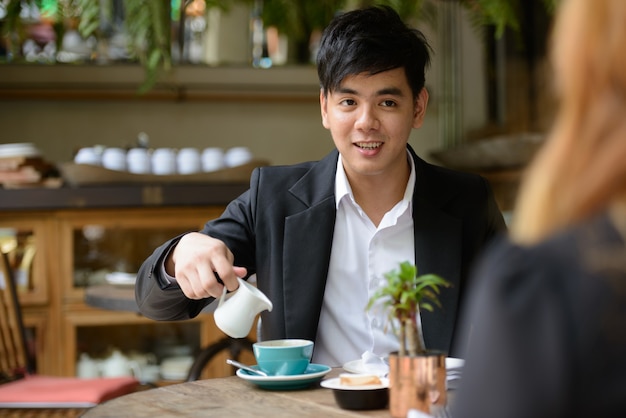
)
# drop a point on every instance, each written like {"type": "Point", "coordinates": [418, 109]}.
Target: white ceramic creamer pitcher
{"type": "Point", "coordinates": [235, 314]}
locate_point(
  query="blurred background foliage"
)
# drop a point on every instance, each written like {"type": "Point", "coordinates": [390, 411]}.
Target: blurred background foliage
{"type": "Point", "coordinates": [148, 23]}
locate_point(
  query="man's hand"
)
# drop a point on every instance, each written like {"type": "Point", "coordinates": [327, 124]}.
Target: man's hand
{"type": "Point", "coordinates": [194, 262]}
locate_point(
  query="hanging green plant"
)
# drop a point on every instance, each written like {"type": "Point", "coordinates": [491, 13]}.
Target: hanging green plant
{"type": "Point", "coordinates": [148, 23]}
{"type": "Point", "coordinates": [148, 27]}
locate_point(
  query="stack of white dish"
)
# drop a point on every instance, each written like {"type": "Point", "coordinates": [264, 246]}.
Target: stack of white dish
{"type": "Point", "coordinates": [23, 149]}
{"type": "Point", "coordinates": [454, 371]}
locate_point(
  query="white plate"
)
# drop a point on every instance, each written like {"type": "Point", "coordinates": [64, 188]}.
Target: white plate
{"type": "Point", "coordinates": [313, 373]}
{"type": "Point", "coordinates": [334, 383]}
{"type": "Point", "coordinates": [120, 278]}
{"type": "Point", "coordinates": [357, 366]}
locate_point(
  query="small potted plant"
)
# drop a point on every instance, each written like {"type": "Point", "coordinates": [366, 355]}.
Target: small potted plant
{"type": "Point", "coordinates": [416, 374]}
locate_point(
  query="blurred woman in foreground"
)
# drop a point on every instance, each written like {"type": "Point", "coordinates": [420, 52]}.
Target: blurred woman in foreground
{"type": "Point", "coordinates": [547, 322]}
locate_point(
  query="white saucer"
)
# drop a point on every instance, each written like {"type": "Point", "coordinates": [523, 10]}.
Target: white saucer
{"type": "Point", "coordinates": [312, 374]}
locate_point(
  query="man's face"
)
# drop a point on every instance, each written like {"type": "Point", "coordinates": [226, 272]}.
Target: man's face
{"type": "Point", "coordinates": [370, 118]}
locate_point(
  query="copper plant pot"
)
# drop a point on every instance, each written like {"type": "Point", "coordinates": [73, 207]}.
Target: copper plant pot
{"type": "Point", "coordinates": [416, 382]}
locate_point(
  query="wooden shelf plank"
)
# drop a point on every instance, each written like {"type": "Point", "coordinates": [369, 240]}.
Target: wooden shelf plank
{"type": "Point", "coordinates": [122, 81]}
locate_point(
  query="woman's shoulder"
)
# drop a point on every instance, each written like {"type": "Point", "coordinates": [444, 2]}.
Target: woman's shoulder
{"type": "Point", "coordinates": [595, 232]}
{"type": "Point", "coordinates": [566, 258]}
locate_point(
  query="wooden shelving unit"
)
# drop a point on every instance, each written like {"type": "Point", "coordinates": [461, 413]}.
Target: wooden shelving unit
{"type": "Point", "coordinates": [60, 323]}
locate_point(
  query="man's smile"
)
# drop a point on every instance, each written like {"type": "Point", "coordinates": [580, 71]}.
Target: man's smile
{"type": "Point", "coordinates": [369, 145]}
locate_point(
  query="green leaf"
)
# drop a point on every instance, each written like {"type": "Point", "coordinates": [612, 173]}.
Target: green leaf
{"type": "Point", "coordinates": [404, 294]}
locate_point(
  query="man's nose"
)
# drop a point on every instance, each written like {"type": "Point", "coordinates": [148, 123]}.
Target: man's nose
{"type": "Point", "coordinates": [367, 119]}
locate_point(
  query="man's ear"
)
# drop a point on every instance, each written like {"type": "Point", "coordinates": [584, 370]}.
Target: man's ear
{"type": "Point", "coordinates": [324, 109]}
{"type": "Point", "coordinates": [419, 110]}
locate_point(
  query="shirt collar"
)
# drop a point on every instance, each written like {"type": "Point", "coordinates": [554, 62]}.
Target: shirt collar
{"type": "Point", "coordinates": [343, 189]}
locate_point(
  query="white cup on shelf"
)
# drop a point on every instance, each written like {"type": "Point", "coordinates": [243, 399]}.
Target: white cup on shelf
{"type": "Point", "coordinates": [212, 159]}
{"type": "Point", "coordinates": [188, 161]}
{"type": "Point", "coordinates": [88, 155]}
{"type": "Point", "coordinates": [237, 156]}
{"type": "Point", "coordinates": [114, 158]}
{"type": "Point", "coordinates": [138, 161]}
{"type": "Point", "coordinates": [164, 161]}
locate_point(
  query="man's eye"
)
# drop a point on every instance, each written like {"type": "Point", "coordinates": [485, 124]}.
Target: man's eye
{"type": "Point", "coordinates": [388, 103]}
{"type": "Point", "coordinates": [348, 102]}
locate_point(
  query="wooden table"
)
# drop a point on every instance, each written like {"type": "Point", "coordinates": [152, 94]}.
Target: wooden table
{"type": "Point", "coordinates": [227, 397]}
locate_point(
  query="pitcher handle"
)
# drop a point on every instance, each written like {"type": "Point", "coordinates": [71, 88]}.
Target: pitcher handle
{"type": "Point", "coordinates": [222, 297]}
{"type": "Point", "coordinates": [225, 291]}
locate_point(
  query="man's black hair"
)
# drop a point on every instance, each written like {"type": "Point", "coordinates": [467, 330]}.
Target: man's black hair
{"type": "Point", "coordinates": [371, 40]}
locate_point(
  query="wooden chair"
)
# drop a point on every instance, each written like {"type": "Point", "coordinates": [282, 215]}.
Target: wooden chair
{"type": "Point", "coordinates": [23, 393]}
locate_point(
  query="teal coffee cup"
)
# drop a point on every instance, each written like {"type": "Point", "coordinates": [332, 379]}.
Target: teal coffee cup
{"type": "Point", "coordinates": [283, 357]}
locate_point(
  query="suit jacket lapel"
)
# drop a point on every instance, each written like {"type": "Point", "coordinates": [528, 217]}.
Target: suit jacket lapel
{"type": "Point", "coordinates": [438, 249]}
{"type": "Point", "coordinates": [308, 243]}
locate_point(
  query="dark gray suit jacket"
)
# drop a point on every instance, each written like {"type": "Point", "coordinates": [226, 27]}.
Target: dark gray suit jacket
{"type": "Point", "coordinates": [282, 230]}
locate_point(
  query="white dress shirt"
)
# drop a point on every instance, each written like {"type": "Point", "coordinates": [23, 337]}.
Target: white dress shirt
{"type": "Point", "coordinates": [361, 254]}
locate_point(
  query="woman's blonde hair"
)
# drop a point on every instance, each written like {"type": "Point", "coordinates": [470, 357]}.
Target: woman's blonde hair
{"type": "Point", "coordinates": [581, 169]}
